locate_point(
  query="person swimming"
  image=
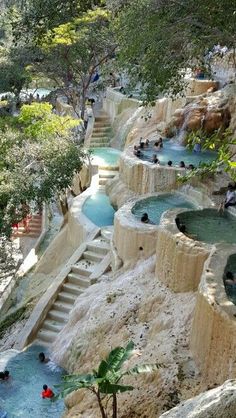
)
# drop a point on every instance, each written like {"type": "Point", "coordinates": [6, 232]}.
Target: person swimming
{"type": "Point", "coordinates": [145, 218]}
{"type": "Point", "coordinates": [4, 375]}
{"type": "Point", "coordinates": [182, 164]}
{"type": "Point", "coordinates": [155, 159]}
{"type": "Point", "coordinates": [47, 393]}
{"type": "Point", "coordinates": [169, 163]}
{"type": "Point", "coordinates": [43, 358]}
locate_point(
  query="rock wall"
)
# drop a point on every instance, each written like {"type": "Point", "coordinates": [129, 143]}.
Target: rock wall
{"type": "Point", "coordinates": [180, 260]}
{"type": "Point", "coordinates": [216, 403]}
{"type": "Point", "coordinates": [143, 177]}
{"type": "Point", "coordinates": [132, 239]}
{"type": "Point", "coordinates": [197, 87]}
{"type": "Point", "coordinates": [213, 336]}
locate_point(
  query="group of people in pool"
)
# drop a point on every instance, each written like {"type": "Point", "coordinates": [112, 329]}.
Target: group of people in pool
{"type": "Point", "coordinates": [158, 146]}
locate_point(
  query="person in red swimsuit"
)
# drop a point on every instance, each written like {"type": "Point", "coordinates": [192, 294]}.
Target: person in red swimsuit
{"type": "Point", "coordinates": [47, 392]}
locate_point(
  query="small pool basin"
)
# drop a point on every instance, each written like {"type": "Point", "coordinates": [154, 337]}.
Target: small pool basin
{"type": "Point", "coordinates": [210, 225]}
{"type": "Point", "coordinates": [98, 209]}
{"type": "Point", "coordinates": [155, 206]}
{"type": "Point", "coordinates": [105, 156]}
{"type": "Point", "coordinates": [20, 396]}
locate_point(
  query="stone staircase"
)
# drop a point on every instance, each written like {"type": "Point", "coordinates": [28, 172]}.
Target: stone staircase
{"type": "Point", "coordinates": [74, 285]}
{"type": "Point", "coordinates": [34, 227]}
{"type": "Point", "coordinates": [101, 131]}
{"type": "Point", "coordinates": [106, 174]}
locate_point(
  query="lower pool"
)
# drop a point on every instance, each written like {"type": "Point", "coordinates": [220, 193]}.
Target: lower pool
{"type": "Point", "coordinates": [98, 209]}
{"type": "Point", "coordinates": [175, 152]}
{"type": "Point", "coordinates": [155, 206]}
{"type": "Point", "coordinates": [105, 156]}
{"type": "Point", "coordinates": [210, 225]}
{"type": "Point", "coordinates": [20, 396]}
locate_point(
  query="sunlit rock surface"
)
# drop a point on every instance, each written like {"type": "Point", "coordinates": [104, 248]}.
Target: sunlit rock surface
{"type": "Point", "coordinates": [131, 306]}
{"type": "Point", "coordinates": [216, 403]}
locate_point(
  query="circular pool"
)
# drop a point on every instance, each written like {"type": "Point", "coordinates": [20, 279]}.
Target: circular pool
{"type": "Point", "coordinates": [175, 152]}
{"type": "Point", "coordinates": [154, 206]}
{"type": "Point", "coordinates": [210, 225]}
{"type": "Point", "coordinates": [105, 156]}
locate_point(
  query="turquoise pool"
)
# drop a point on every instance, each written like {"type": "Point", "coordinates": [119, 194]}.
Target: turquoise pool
{"type": "Point", "coordinates": [99, 210]}
{"type": "Point", "coordinates": [20, 396]}
{"type": "Point", "coordinates": [210, 225]}
{"type": "Point", "coordinates": [105, 156]}
{"type": "Point", "coordinates": [155, 206]}
{"type": "Point", "coordinates": [176, 153]}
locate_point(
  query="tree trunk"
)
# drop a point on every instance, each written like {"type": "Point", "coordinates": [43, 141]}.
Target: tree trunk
{"type": "Point", "coordinates": [103, 413]}
{"type": "Point", "coordinates": [114, 405]}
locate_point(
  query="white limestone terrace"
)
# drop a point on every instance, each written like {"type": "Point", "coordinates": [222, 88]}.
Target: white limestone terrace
{"type": "Point", "coordinates": [187, 265]}
{"type": "Point", "coordinates": [143, 177]}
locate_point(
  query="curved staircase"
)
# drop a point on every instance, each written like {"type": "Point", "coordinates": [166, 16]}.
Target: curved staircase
{"type": "Point", "coordinates": [101, 134]}
{"type": "Point", "coordinates": [94, 257]}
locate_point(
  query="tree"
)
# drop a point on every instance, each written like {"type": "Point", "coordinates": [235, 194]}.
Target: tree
{"type": "Point", "coordinates": [38, 160]}
{"type": "Point", "coordinates": [160, 39]}
{"type": "Point", "coordinates": [104, 383]}
{"type": "Point", "coordinates": [74, 52]}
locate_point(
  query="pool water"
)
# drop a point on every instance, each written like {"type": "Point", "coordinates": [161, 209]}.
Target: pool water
{"type": "Point", "coordinates": [40, 91]}
{"type": "Point", "coordinates": [210, 225]}
{"type": "Point", "coordinates": [105, 156]}
{"type": "Point", "coordinates": [174, 152]}
{"type": "Point", "coordinates": [156, 205]}
{"type": "Point", "coordinates": [20, 396]}
{"type": "Point", "coordinates": [99, 210]}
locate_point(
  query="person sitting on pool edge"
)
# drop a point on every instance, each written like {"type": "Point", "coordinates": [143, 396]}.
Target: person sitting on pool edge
{"type": "Point", "coordinates": [230, 279]}
{"type": "Point", "coordinates": [182, 164]}
{"type": "Point", "coordinates": [43, 358]}
{"type": "Point", "coordinates": [230, 198]}
{"type": "Point", "coordinates": [155, 159]}
{"type": "Point", "coordinates": [169, 163]}
{"type": "Point", "coordinates": [47, 392]}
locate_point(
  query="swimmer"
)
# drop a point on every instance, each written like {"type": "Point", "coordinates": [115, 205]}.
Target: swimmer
{"type": "Point", "coordinates": [155, 159]}
{"type": "Point", "coordinates": [169, 163]}
{"type": "Point", "coordinates": [47, 392]}
{"type": "Point", "coordinates": [145, 218]}
{"type": "Point", "coordinates": [191, 167]}
{"type": "Point", "coordinates": [230, 278]}
{"type": "Point", "coordinates": [4, 375]}
{"type": "Point", "coordinates": [181, 164]}
{"type": "Point", "coordinates": [43, 358]}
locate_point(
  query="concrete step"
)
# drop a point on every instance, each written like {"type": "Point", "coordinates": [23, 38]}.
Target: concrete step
{"type": "Point", "coordinates": [52, 325]}
{"type": "Point", "coordinates": [102, 129]}
{"type": "Point", "coordinates": [98, 247]}
{"type": "Point", "coordinates": [41, 343]}
{"type": "Point", "coordinates": [77, 280]}
{"type": "Point", "coordinates": [72, 289]}
{"type": "Point", "coordinates": [25, 234]}
{"type": "Point", "coordinates": [97, 145]}
{"type": "Point", "coordinates": [66, 297]}
{"type": "Point", "coordinates": [106, 174]}
{"type": "Point", "coordinates": [33, 229]}
{"type": "Point", "coordinates": [90, 255]}
{"type": "Point", "coordinates": [103, 182]}
{"type": "Point", "coordinates": [47, 335]}
{"type": "Point", "coordinates": [107, 233]}
{"type": "Point", "coordinates": [81, 271]}
{"type": "Point", "coordinates": [115, 168]}
{"type": "Point", "coordinates": [62, 306]}
{"type": "Point", "coordinates": [58, 316]}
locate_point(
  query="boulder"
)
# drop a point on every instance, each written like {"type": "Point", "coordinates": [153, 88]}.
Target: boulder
{"type": "Point", "coordinates": [215, 403]}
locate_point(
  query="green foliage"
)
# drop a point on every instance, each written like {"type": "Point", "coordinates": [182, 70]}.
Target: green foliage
{"type": "Point", "coordinates": [39, 121]}
{"type": "Point", "coordinates": [38, 160]}
{"type": "Point", "coordinates": [221, 142]}
{"type": "Point", "coordinates": [159, 40]}
{"type": "Point", "coordinates": [105, 380]}
{"type": "Point", "coordinates": [12, 318]}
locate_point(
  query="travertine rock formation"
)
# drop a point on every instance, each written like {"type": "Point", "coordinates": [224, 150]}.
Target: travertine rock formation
{"type": "Point", "coordinates": [213, 336]}
{"type": "Point", "coordinates": [216, 403]}
{"type": "Point", "coordinates": [180, 260]}
{"type": "Point", "coordinates": [131, 306]}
